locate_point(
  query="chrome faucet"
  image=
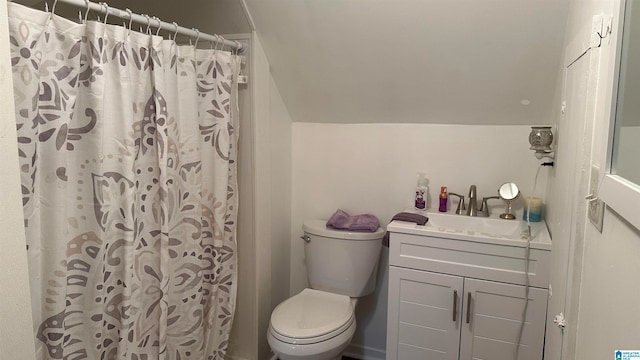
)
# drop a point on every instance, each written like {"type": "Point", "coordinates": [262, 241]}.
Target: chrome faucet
{"type": "Point", "coordinates": [461, 208]}
{"type": "Point", "coordinates": [473, 203]}
{"type": "Point", "coordinates": [484, 208]}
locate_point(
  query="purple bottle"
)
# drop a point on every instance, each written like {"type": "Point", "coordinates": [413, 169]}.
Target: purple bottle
{"type": "Point", "coordinates": [443, 199]}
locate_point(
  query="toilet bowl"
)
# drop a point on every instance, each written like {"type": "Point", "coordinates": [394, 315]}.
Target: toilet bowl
{"type": "Point", "coordinates": [319, 322]}
{"type": "Point", "coordinates": [312, 325]}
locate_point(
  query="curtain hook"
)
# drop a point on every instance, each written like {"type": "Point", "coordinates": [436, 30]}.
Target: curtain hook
{"type": "Point", "coordinates": [86, 13]}
{"type": "Point", "coordinates": [159, 25]}
{"type": "Point", "coordinates": [238, 46]}
{"type": "Point", "coordinates": [216, 41]}
{"type": "Point", "coordinates": [148, 23]}
{"type": "Point", "coordinates": [106, 11]}
{"type": "Point", "coordinates": [175, 34]}
{"type": "Point", "coordinates": [197, 37]}
{"type": "Point", "coordinates": [53, 9]}
{"type": "Point", "coordinates": [130, 18]}
{"type": "Point", "coordinates": [222, 39]}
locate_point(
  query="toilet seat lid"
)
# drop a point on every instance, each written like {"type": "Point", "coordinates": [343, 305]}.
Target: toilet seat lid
{"type": "Point", "coordinates": [312, 313]}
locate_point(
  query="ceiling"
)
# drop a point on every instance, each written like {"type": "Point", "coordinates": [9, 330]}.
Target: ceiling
{"type": "Point", "coordinates": [414, 61]}
{"type": "Point", "coordinates": [492, 62]}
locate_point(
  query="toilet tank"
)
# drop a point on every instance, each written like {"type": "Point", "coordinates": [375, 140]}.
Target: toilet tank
{"type": "Point", "coordinates": [341, 262]}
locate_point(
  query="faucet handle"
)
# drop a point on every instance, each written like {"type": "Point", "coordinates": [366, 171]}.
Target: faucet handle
{"type": "Point", "coordinates": [484, 208]}
{"type": "Point", "coordinates": [461, 208]}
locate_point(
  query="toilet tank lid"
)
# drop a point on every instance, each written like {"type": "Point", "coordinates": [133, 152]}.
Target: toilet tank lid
{"type": "Point", "coordinates": [319, 227]}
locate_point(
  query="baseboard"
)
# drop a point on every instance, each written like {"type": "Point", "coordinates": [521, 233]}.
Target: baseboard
{"type": "Point", "coordinates": [364, 352]}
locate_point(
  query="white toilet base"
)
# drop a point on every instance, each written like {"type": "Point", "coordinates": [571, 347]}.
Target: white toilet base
{"type": "Point", "coordinates": [330, 349]}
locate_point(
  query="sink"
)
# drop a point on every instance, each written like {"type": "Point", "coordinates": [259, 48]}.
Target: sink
{"type": "Point", "coordinates": [490, 226]}
{"type": "Point", "coordinates": [480, 229]}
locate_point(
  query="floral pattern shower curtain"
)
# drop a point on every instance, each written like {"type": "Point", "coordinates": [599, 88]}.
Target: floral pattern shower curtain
{"type": "Point", "coordinates": [128, 147]}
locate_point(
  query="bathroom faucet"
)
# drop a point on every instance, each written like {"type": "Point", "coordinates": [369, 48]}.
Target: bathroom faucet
{"type": "Point", "coordinates": [484, 208]}
{"type": "Point", "coordinates": [461, 208]}
{"type": "Point", "coordinates": [473, 203]}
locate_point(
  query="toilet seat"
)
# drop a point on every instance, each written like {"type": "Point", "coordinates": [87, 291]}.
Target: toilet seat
{"type": "Point", "coordinates": [311, 317]}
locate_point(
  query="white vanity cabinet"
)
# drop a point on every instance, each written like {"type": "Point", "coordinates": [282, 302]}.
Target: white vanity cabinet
{"type": "Point", "coordinates": [459, 297]}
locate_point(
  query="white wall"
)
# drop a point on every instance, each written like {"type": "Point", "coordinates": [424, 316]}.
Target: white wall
{"type": "Point", "coordinates": [16, 332]}
{"type": "Point", "coordinates": [280, 141]}
{"type": "Point", "coordinates": [261, 85]}
{"type": "Point", "coordinates": [371, 168]}
{"type": "Point", "coordinates": [265, 249]}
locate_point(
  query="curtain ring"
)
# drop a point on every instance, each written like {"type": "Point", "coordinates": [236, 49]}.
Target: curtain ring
{"type": "Point", "coordinates": [197, 37]}
{"type": "Point", "coordinates": [130, 19]}
{"type": "Point", "coordinates": [53, 9]}
{"type": "Point", "coordinates": [222, 39]}
{"type": "Point", "coordinates": [106, 11]}
{"type": "Point", "coordinates": [175, 34]}
{"type": "Point", "coordinates": [86, 13]}
{"type": "Point", "coordinates": [159, 25]}
{"type": "Point", "coordinates": [217, 41]}
{"type": "Point", "coordinates": [148, 23]}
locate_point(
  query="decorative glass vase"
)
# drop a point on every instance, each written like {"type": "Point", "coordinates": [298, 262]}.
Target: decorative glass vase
{"type": "Point", "coordinates": [540, 138]}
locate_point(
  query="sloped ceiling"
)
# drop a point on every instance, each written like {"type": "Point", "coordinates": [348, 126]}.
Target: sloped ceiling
{"type": "Point", "coordinates": [414, 61]}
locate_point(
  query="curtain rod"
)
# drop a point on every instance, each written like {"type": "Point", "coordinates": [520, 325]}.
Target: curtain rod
{"type": "Point", "coordinates": [152, 21]}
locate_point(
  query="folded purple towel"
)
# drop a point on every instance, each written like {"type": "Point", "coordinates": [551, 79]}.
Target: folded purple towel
{"type": "Point", "coordinates": [342, 221]}
{"type": "Point", "coordinates": [408, 217]}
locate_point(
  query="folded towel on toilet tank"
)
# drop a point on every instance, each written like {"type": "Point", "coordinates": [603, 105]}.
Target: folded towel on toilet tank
{"type": "Point", "coordinates": [340, 220]}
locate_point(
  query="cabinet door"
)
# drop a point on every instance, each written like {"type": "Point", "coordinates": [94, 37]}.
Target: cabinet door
{"type": "Point", "coordinates": [494, 312]}
{"type": "Point", "coordinates": [424, 315]}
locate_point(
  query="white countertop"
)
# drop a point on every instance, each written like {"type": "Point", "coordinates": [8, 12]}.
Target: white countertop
{"type": "Point", "coordinates": [492, 230]}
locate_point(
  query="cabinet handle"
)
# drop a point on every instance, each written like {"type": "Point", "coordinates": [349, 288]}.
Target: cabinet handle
{"type": "Point", "coordinates": [468, 307]}
{"type": "Point", "coordinates": [455, 305]}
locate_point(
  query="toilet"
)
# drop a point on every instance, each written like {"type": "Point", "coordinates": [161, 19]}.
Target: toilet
{"type": "Point", "coordinates": [319, 322]}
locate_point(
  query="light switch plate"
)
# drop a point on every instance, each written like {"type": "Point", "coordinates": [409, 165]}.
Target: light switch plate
{"type": "Point", "coordinates": [595, 206]}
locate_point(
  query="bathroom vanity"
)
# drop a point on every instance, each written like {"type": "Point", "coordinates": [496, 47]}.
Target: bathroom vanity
{"type": "Point", "coordinates": [457, 288]}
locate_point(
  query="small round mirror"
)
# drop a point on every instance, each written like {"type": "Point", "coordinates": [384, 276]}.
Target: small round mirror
{"type": "Point", "coordinates": [508, 191]}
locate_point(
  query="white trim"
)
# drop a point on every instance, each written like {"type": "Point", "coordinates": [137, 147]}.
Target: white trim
{"type": "Point", "coordinates": [622, 196]}
{"type": "Point", "coordinates": [247, 14]}
{"type": "Point", "coordinates": [364, 352]}
{"type": "Point", "coordinates": [618, 193]}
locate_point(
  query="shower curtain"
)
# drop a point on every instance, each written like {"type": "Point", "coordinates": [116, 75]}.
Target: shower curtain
{"type": "Point", "coordinates": [128, 147]}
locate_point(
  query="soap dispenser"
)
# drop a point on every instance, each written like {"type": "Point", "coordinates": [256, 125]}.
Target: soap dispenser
{"type": "Point", "coordinates": [422, 190]}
